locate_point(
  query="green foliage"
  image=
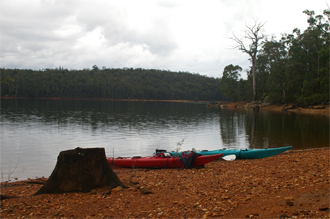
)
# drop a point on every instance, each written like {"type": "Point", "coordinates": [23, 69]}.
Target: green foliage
{"type": "Point", "coordinates": [292, 69]}
{"type": "Point", "coordinates": [126, 83]}
{"type": "Point", "coordinates": [273, 97]}
{"type": "Point", "coordinates": [316, 98]}
{"type": "Point", "coordinates": [230, 83]}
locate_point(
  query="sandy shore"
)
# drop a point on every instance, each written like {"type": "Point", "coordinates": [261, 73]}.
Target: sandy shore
{"type": "Point", "coordinates": [294, 184]}
{"type": "Point", "coordinates": [310, 109]}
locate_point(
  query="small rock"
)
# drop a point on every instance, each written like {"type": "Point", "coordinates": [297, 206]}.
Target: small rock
{"type": "Point", "coordinates": [134, 183]}
{"type": "Point", "coordinates": [284, 216]}
{"type": "Point", "coordinates": [289, 201]}
{"type": "Point", "coordinates": [108, 192]}
{"type": "Point", "coordinates": [324, 207]}
{"type": "Point", "coordinates": [117, 189]}
{"type": "Point", "coordinates": [93, 191]}
{"type": "Point", "coordinates": [145, 191]}
{"type": "Point", "coordinates": [58, 213]}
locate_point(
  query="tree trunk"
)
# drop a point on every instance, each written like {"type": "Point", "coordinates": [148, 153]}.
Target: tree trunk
{"type": "Point", "coordinates": [16, 89]}
{"type": "Point", "coordinates": [80, 170]}
{"type": "Point", "coordinates": [254, 79]}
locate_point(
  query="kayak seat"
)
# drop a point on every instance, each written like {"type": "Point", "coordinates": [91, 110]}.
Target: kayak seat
{"type": "Point", "coordinates": [136, 157]}
{"type": "Point", "coordinates": [166, 155]}
{"type": "Point", "coordinates": [163, 155]}
{"type": "Point", "coordinates": [160, 151]}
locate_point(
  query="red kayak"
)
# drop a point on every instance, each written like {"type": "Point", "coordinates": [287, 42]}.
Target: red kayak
{"type": "Point", "coordinates": [161, 161]}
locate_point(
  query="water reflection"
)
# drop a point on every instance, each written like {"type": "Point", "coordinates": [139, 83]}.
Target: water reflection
{"type": "Point", "coordinates": [273, 129]}
{"type": "Point", "coordinates": [101, 113]}
{"type": "Point", "coordinates": [232, 129]}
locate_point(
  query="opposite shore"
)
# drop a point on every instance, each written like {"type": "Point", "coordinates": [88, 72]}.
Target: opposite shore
{"type": "Point", "coordinates": [317, 109]}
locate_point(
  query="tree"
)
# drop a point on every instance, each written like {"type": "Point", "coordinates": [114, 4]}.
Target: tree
{"type": "Point", "coordinates": [253, 35]}
{"type": "Point", "coordinates": [95, 68]}
{"type": "Point", "coordinates": [271, 64]}
{"type": "Point", "coordinates": [308, 61]}
{"type": "Point", "coordinates": [229, 81]}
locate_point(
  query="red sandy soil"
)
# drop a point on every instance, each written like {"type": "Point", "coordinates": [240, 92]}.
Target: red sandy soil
{"type": "Point", "coordinates": [315, 109]}
{"type": "Point", "coordinates": [294, 184]}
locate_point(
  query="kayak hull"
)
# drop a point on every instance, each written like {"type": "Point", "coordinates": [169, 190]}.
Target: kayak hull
{"type": "Point", "coordinates": [243, 153]}
{"type": "Point", "coordinates": [159, 162]}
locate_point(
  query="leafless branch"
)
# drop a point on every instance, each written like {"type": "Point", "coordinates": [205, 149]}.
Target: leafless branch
{"type": "Point", "coordinates": [252, 34]}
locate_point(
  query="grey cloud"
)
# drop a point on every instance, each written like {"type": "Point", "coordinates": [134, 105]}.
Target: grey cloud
{"type": "Point", "coordinates": [116, 29]}
{"type": "Point", "coordinates": [168, 3]}
{"type": "Point", "coordinates": [158, 38]}
{"type": "Point", "coordinates": [48, 33]}
{"type": "Point", "coordinates": [93, 17]}
{"type": "Point", "coordinates": [34, 27]}
{"type": "Point", "coordinates": [30, 38]}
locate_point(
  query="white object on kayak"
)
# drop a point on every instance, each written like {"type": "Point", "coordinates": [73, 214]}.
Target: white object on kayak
{"type": "Point", "coordinates": [229, 157]}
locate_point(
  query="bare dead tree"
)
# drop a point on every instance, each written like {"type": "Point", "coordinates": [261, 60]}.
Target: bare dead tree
{"type": "Point", "coordinates": [252, 34]}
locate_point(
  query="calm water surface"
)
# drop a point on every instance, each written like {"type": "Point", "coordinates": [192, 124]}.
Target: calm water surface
{"type": "Point", "coordinates": [33, 132]}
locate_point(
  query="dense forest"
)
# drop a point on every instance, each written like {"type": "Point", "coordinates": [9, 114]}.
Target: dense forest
{"type": "Point", "coordinates": [126, 83]}
{"type": "Point", "coordinates": [293, 69]}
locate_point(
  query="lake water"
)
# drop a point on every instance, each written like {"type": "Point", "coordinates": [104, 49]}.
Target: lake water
{"type": "Point", "coordinates": [33, 132]}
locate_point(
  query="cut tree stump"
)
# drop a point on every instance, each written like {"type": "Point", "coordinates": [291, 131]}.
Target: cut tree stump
{"type": "Point", "coordinates": [80, 170]}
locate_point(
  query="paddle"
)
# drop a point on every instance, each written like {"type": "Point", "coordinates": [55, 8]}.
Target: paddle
{"type": "Point", "coordinates": [229, 157]}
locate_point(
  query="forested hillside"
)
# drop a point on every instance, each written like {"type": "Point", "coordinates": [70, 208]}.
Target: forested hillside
{"type": "Point", "coordinates": [126, 83]}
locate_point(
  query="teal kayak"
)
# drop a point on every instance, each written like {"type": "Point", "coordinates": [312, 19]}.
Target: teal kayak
{"type": "Point", "coordinates": [241, 153]}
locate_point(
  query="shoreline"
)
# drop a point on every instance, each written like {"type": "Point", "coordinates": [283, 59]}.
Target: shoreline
{"type": "Point", "coordinates": [307, 109]}
{"type": "Point", "coordinates": [295, 108]}
{"type": "Point", "coordinates": [291, 184]}
{"type": "Point", "coordinates": [107, 99]}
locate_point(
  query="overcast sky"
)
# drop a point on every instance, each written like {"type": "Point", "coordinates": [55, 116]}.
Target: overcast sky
{"type": "Point", "coordinates": [176, 35]}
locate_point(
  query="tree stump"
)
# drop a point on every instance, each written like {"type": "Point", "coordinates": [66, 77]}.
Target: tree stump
{"type": "Point", "coordinates": [80, 170]}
